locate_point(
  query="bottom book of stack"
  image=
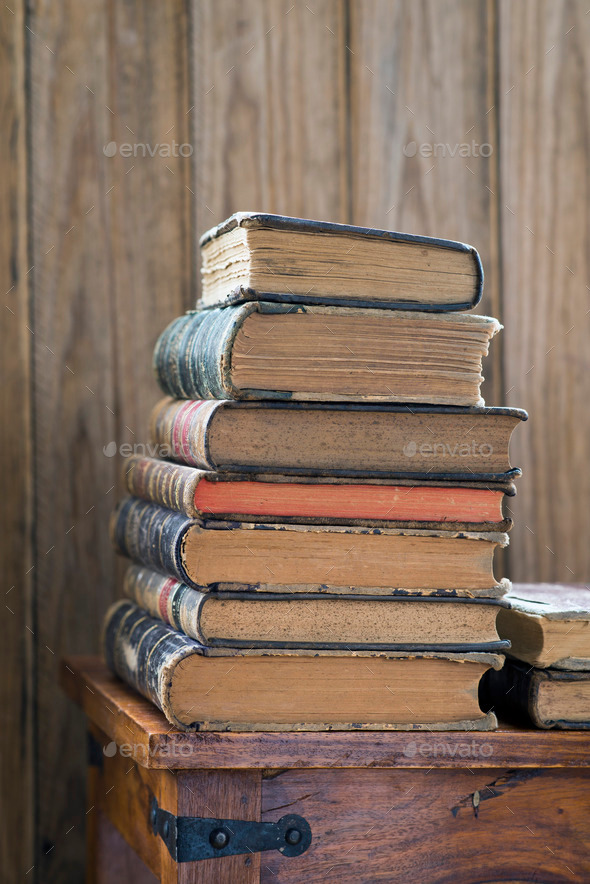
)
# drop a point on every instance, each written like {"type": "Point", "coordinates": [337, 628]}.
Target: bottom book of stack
{"type": "Point", "coordinates": [216, 688]}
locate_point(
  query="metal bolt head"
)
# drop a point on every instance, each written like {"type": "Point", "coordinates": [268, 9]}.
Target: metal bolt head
{"type": "Point", "coordinates": [154, 815]}
{"type": "Point", "coordinates": [166, 828]}
{"type": "Point", "coordinates": [293, 836]}
{"type": "Point", "coordinates": [218, 839]}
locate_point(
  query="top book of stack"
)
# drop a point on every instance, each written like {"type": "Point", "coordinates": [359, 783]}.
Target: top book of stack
{"type": "Point", "coordinates": [258, 257]}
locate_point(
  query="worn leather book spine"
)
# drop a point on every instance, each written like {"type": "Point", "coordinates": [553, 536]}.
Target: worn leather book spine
{"type": "Point", "coordinates": [192, 356]}
{"type": "Point", "coordinates": [144, 652]}
{"type": "Point", "coordinates": [172, 486]}
{"type": "Point", "coordinates": [150, 535]}
{"type": "Point", "coordinates": [166, 599]}
{"type": "Point", "coordinates": [179, 430]}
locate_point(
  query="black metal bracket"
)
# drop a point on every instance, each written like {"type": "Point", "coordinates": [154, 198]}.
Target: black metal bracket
{"type": "Point", "coordinates": [191, 838]}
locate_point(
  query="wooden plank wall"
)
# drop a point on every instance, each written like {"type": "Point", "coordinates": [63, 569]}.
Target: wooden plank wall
{"type": "Point", "coordinates": [270, 109]}
{"type": "Point", "coordinates": [112, 252]}
{"type": "Point", "coordinates": [422, 81]}
{"type": "Point", "coordinates": [347, 110]}
{"type": "Point", "coordinates": [16, 342]}
{"type": "Point", "coordinates": [544, 72]}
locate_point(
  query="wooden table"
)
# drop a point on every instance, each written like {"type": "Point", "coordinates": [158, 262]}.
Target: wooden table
{"type": "Point", "coordinates": [512, 805]}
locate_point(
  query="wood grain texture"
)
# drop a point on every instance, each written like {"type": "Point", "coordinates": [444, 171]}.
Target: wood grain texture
{"type": "Point", "coordinates": [121, 791]}
{"type": "Point", "coordinates": [435, 826]}
{"type": "Point", "coordinates": [422, 94]}
{"type": "Point", "coordinates": [74, 394]}
{"type": "Point", "coordinates": [110, 860]}
{"type": "Point", "coordinates": [270, 109]}
{"type": "Point", "coordinates": [112, 262]}
{"type": "Point", "coordinates": [16, 334]}
{"type": "Point", "coordinates": [109, 857]}
{"type": "Point", "coordinates": [128, 719]}
{"type": "Point", "coordinates": [151, 239]}
{"type": "Point", "coordinates": [545, 163]}
{"type": "Point", "coordinates": [221, 795]}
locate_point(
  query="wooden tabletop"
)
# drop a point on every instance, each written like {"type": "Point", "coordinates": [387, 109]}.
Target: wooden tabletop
{"type": "Point", "coordinates": [142, 733]}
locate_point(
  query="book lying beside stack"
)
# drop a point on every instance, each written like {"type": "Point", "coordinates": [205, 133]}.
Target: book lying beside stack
{"type": "Point", "coordinates": [222, 689]}
{"type": "Point", "coordinates": [313, 546]}
{"type": "Point", "coordinates": [546, 679]}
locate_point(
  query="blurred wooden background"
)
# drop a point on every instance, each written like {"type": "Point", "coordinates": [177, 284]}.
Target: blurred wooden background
{"type": "Point", "coordinates": [328, 109]}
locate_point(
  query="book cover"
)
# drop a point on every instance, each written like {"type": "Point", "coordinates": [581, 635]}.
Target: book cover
{"type": "Point", "coordinates": [330, 439]}
{"type": "Point", "coordinates": [224, 689]}
{"type": "Point", "coordinates": [317, 621]}
{"type": "Point", "coordinates": [244, 497]}
{"type": "Point", "coordinates": [549, 624]}
{"type": "Point", "coordinates": [247, 556]}
{"type": "Point", "coordinates": [418, 272]}
{"type": "Point", "coordinates": [261, 350]}
{"type": "Point", "coordinates": [552, 601]}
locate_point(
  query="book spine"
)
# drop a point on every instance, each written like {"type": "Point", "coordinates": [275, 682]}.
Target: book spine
{"type": "Point", "coordinates": [144, 652]}
{"type": "Point", "coordinates": [166, 484]}
{"type": "Point", "coordinates": [150, 535]}
{"type": "Point", "coordinates": [179, 430]}
{"type": "Point", "coordinates": [192, 357]}
{"type": "Point", "coordinates": [166, 599]}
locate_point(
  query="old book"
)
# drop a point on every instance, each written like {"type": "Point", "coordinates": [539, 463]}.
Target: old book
{"type": "Point", "coordinates": [329, 439]}
{"type": "Point", "coordinates": [255, 556]}
{"type": "Point", "coordinates": [245, 497]}
{"type": "Point", "coordinates": [548, 624]}
{"type": "Point", "coordinates": [272, 351]}
{"type": "Point", "coordinates": [317, 620]}
{"type": "Point", "coordinates": [221, 689]}
{"type": "Point", "coordinates": [519, 693]}
{"type": "Point", "coordinates": [255, 256]}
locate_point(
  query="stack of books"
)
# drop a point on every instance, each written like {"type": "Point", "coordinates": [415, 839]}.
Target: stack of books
{"type": "Point", "coordinates": [313, 546]}
{"type": "Point", "coordinates": [546, 678]}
